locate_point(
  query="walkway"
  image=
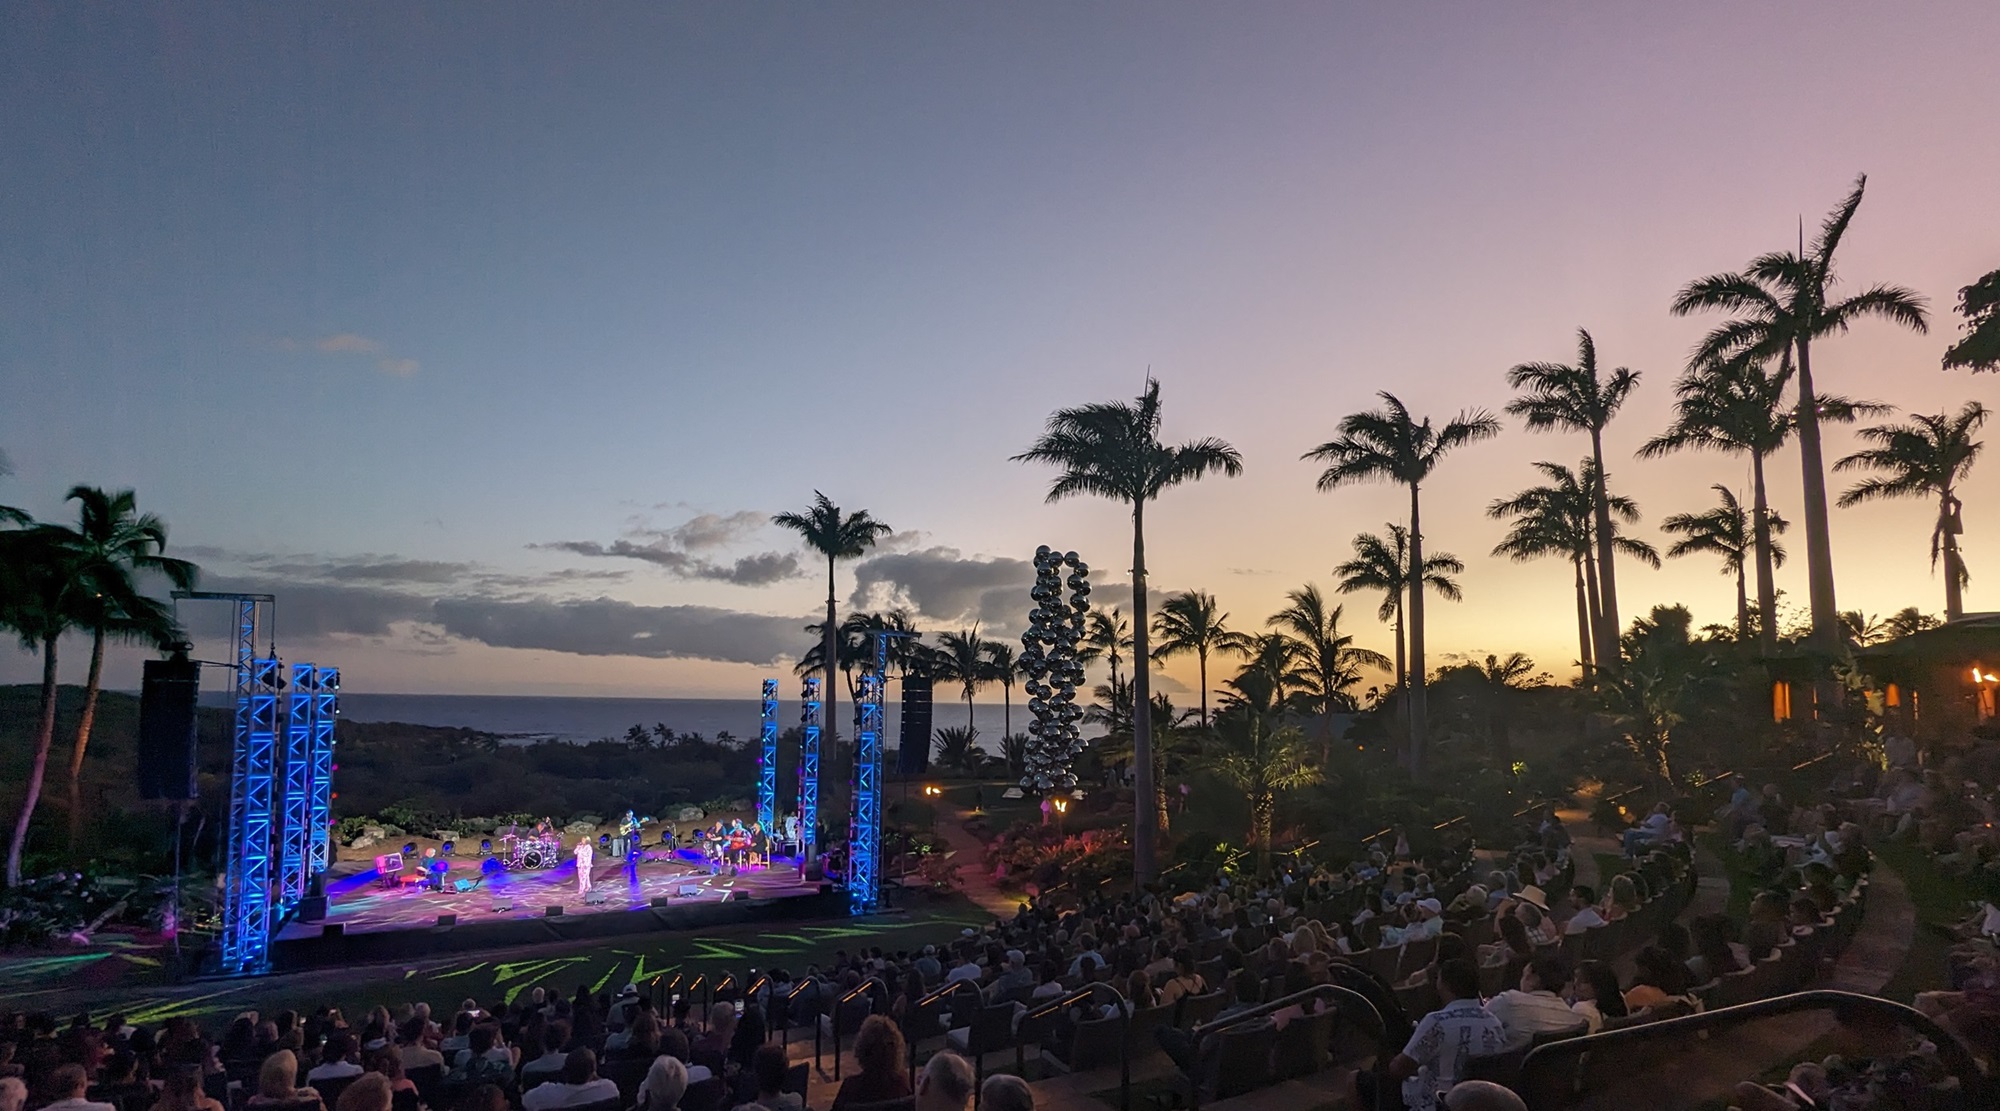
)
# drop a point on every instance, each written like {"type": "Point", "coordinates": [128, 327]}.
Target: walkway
{"type": "Point", "coordinates": [969, 853]}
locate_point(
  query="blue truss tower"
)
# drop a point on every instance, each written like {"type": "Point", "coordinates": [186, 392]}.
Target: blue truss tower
{"type": "Point", "coordinates": [809, 770]}
{"type": "Point", "coordinates": [248, 896]}
{"type": "Point", "coordinates": [319, 811]}
{"type": "Point", "coordinates": [767, 760]}
{"type": "Point", "coordinates": [295, 802]}
{"type": "Point", "coordinates": [864, 874]}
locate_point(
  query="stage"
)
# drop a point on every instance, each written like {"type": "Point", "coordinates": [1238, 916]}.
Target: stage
{"type": "Point", "coordinates": [368, 920]}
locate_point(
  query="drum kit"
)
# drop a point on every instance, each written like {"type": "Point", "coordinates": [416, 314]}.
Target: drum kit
{"type": "Point", "coordinates": [534, 850]}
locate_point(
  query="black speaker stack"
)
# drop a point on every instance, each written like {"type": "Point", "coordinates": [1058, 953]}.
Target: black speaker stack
{"type": "Point", "coordinates": [913, 756]}
{"type": "Point", "coordinates": [167, 694]}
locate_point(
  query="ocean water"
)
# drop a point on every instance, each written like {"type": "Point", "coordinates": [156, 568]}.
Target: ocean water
{"type": "Point", "coordinates": [587, 719]}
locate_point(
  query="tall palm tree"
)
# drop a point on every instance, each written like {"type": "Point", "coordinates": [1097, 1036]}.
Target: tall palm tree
{"type": "Point", "coordinates": [1192, 622]}
{"type": "Point", "coordinates": [1782, 301]}
{"type": "Point", "coordinates": [1326, 660]}
{"type": "Point", "coordinates": [1578, 399]}
{"type": "Point", "coordinates": [1001, 668]}
{"type": "Point", "coordinates": [1559, 518]}
{"type": "Point", "coordinates": [116, 546]}
{"type": "Point", "coordinates": [1388, 443]}
{"type": "Point", "coordinates": [837, 536]}
{"type": "Point", "coordinates": [1269, 677]}
{"type": "Point", "coordinates": [1926, 457]}
{"type": "Point", "coordinates": [1725, 530]}
{"type": "Point", "coordinates": [1383, 563]}
{"type": "Point", "coordinates": [1737, 405]}
{"type": "Point", "coordinates": [1113, 450]}
{"type": "Point", "coordinates": [962, 659]}
{"type": "Point", "coordinates": [41, 595]}
{"type": "Point", "coordinates": [8, 514]}
{"type": "Point", "coordinates": [1979, 304]}
{"type": "Point", "coordinates": [1107, 636]}
{"type": "Point", "coordinates": [1261, 760]}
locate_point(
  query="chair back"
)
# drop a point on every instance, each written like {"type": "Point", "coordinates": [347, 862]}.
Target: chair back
{"type": "Point", "coordinates": [1243, 1060]}
{"type": "Point", "coordinates": [329, 1090]}
{"type": "Point", "coordinates": [1197, 1009]}
{"type": "Point", "coordinates": [1095, 1043]}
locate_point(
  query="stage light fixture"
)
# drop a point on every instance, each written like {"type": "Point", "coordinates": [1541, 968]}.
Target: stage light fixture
{"type": "Point", "coordinates": [447, 847]}
{"type": "Point", "coordinates": [409, 848]}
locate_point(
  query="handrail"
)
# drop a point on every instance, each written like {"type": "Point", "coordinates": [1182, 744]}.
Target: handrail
{"type": "Point", "coordinates": [1124, 1006]}
{"type": "Point", "coordinates": [1330, 991]}
{"type": "Point", "coordinates": [872, 981]}
{"type": "Point", "coordinates": [1550, 1056]}
{"type": "Point", "coordinates": [951, 988]}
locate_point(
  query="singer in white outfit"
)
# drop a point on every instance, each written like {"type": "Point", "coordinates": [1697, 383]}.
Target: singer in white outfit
{"type": "Point", "coordinates": [584, 854]}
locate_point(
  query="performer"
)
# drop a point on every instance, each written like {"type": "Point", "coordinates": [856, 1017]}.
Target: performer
{"type": "Point", "coordinates": [629, 826]}
{"type": "Point", "coordinates": [585, 853]}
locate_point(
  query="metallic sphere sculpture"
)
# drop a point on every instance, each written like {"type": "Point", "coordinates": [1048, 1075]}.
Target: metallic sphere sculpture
{"type": "Point", "coordinates": [1048, 655]}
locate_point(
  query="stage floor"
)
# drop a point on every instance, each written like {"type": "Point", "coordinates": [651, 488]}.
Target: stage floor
{"type": "Point", "coordinates": [360, 904]}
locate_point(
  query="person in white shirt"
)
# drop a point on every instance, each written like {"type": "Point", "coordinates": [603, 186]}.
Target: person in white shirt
{"type": "Point", "coordinates": [1089, 960]}
{"type": "Point", "coordinates": [1583, 911]}
{"type": "Point", "coordinates": [336, 1061]}
{"type": "Point", "coordinates": [73, 1082]}
{"type": "Point", "coordinates": [1428, 925]}
{"type": "Point", "coordinates": [579, 1085]}
{"type": "Point", "coordinates": [1534, 1007]}
{"type": "Point", "coordinates": [1435, 1056]}
{"type": "Point", "coordinates": [586, 854]}
{"type": "Point", "coordinates": [13, 1093]}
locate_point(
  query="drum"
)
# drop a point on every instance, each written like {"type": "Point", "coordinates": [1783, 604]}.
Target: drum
{"type": "Point", "coordinates": [531, 857]}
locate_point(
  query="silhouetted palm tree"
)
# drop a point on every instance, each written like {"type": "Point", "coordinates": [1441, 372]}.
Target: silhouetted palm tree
{"type": "Point", "coordinates": [1737, 406]}
{"type": "Point", "coordinates": [117, 546]}
{"type": "Point", "coordinates": [1559, 518]}
{"type": "Point", "coordinates": [1324, 658]}
{"type": "Point", "coordinates": [1781, 301]}
{"type": "Point", "coordinates": [42, 586]}
{"type": "Point", "coordinates": [837, 536]}
{"type": "Point", "coordinates": [1192, 622]}
{"type": "Point", "coordinates": [1979, 304]}
{"type": "Point", "coordinates": [962, 659]}
{"type": "Point", "coordinates": [1862, 629]}
{"type": "Point", "coordinates": [8, 514]}
{"type": "Point", "coordinates": [1106, 636]}
{"type": "Point", "coordinates": [1113, 450]}
{"type": "Point", "coordinates": [1383, 563]}
{"type": "Point", "coordinates": [1926, 457]}
{"type": "Point", "coordinates": [1725, 531]}
{"type": "Point", "coordinates": [1263, 760]}
{"type": "Point", "coordinates": [1388, 443]}
{"type": "Point", "coordinates": [1576, 398]}
{"type": "Point", "coordinates": [1909, 620]}
{"type": "Point", "coordinates": [1001, 669]}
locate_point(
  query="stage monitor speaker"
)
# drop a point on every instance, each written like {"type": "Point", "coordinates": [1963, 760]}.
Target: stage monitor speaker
{"type": "Point", "coordinates": [814, 873]}
{"type": "Point", "coordinates": [167, 748]}
{"type": "Point", "coordinates": [913, 756]}
{"type": "Point", "coordinates": [552, 911]}
{"type": "Point", "coordinates": [736, 897]}
{"type": "Point", "coordinates": [502, 906]}
{"type": "Point", "coordinates": [595, 898]}
{"type": "Point", "coordinates": [446, 920]}
{"type": "Point", "coordinates": [690, 890]}
{"type": "Point", "coordinates": [312, 908]}
{"type": "Point", "coordinates": [333, 929]}
{"type": "Point", "coordinates": [661, 902]}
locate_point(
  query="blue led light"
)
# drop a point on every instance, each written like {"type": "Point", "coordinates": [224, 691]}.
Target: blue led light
{"type": "Point", "coordinates": [767, 761]}
{"type": "Point", "coordinates": [809, 769]}
{"type": "Point", "coordinates": [319, 817]}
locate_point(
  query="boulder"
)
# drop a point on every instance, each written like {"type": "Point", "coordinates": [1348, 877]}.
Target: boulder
{"type": "Point", "coordinates": [374, 831]}
{"type": "Point", "coordinates": [363, 842]}
{"type": "Point", "coordinates": [690, 814]}
{"type": "Point", "coordinates": [445, 834]}
{"type": "Point", "coordinates": [580, 828]}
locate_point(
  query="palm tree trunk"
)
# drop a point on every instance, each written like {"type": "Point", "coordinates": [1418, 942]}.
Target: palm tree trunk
{"type": "Point", "coordinates": [1607, 633]}
{"type": "Point", "coordinates": [1201, 659]}
{"type": "Point", "coordinates": [1262, 810]}
{"type": "Point", "coordinates": [1819, 540]}
{"type": "Point", "coordinates": [1402, 664]}
{"type": "Point", "coordinates": [829, 646]}
{"type": "Point", "coordinates": [1954, 597]}
{"type": "Point", "coordinates": [45, 735]}
{"type": "Point", "coordinates": [1006, 713]}
{"type": "Point", "coordinates": [1742, 606]}
{"type": "Point", "coordinates": [1145, 823]}
{"type": "Point", "coordinates": [1582, 615]}
{"type": "Point", "coordinates": [83, 741]}
{"type": "Point", "coordinates": [1767, 589]}
{"type": "Point", "coordinates": [1598, 658]}
{"type": "Point", "coordinates": [1418, 724]}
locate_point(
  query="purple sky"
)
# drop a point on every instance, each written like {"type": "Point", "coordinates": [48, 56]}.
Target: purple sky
{"type": "Point", "coordinates": [405, 311]}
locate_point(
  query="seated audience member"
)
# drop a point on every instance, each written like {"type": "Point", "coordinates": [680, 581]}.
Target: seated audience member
{"type": "Point", "coordinates": [1482, 1095]}
{"type": "Point", "coordinates": [482, 1061]}
{"type": "Point", "coordinates": [277, 1084]}
{"type": "Point", "coordinates": [554, 1056]}
{"type": "Point", "coordinates": [369, 1092]}
{"type": "Point", "coordinates": [1534, 1007]}
{"type": "Point", "coordinates": [879, 1051]}
{"type": "Point", "coordinates": [486, 1097]}
{"type": "Point", "coordinates": [1583, 911]}
{"type": "Point", "coordinates": [1716, 951]}
{"type": "Point", "coordinates": [336, 1060]}
{"type": "Point", "coordinates": [578, 1084]}
{"type": "Point", "coordinates": [410, 1044]}
{"type": "Point", "coordinates": [1186, 980]}
{"type": "Point", "coordinates": [1594, 994]}
{"type": "Point", "coordinates": [1005, 1092]}
{"type": "Point", "coordinates": [1437, 1051]}
{"type": "Point", "coordinates": [945, 1084]}
{"type": "Point", "coordinates": [1658, 979]}
{"type": "Point", "coordinates": [1768, 927]}
{"type": "Point", "coordinates": [13, 1093]}
{"type": "Point", "coordinates": [666, 1082]}
{"type": "Point", "coordinates": [69, 1083]}
{"type": "Point", "coordinates": [390, 1066]}
{"type": "Point", "coordinates": [769, 1066]}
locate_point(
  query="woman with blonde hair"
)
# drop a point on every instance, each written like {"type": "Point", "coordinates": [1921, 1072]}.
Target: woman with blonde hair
{"type": "Point", "coordinates": [278, 1083]}
{"type": "Point", "coordinates": [666, 1082]}
{"type": "Point", "coordinates": [183, 1092]}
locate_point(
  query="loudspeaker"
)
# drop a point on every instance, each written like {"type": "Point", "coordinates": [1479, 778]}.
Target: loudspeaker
{"type": "Point", "coordinates": [312, 908]}
{"type": "Point", "coordinates": [913, 757]}
{"type": "Point", "coordinates": [661, 901]}
{"type": "Point", "coordinates": [552, 912]}
{"type": "Point", "coordinates": [813, 872]}
{"type": "Point", "coordinates": [689, 890]}
{"type": "Point", "coordinates": [595, 898]}
{"type": "Point", "coordinates": [167, 748]}
{"type": "Point", "coordinates": [447, 920]}
{"type": "Point", "coordinates": [736, 897]}
{"type": "Point", "coordinates": [333, 929]}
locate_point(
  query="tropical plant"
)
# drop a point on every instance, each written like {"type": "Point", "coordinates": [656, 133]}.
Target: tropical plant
{"type": "Point", "coordinates": [1926, 457]}
{"type": "Point", "coordinates": [8, 514]}
{"type": "Point", "coordinates": [1737, 405]}
{"type": "Point", "coordinates": [1325, 660]}
{"type": "Point", "coordinates": [1383, 563]}
{"type": "Point", "coordinates": [1979, 304]}
{"type": "Point", "coordinates": [1863, 629]}
{"type": "Point", "coordinates": [1388, 443]}
{"type": "Point", "coordinates": [1782, 301]}
{"type": "Point", "coordinates": [1665, 678]}
{"type": "Point", "coordinates": [1191, 622]}
{"type": "Point", "coordinates": [41, 598]}
{"type": "Point", "coordinates": [1002, 668]}
{"type": "Point", "coordinates": [1106, 636]}
{"type": "Point", "coordinates": [1492, 683]}
{"type": "Point", "coordinates": [1113, 450]}
{"type": "Point", "coordinates": [957, 750]}
{"type": "Point", "coordinates": [962, 659]}
{"type": "Point", "coordinates": [1576, 398]}
{"type": "Point", "coordinates": [837, 536]}
{"type": "Point", "coordinates": [1726, 531]}
{"type": "Point", "coordinates": [1262, 761]}
{"type": "Point", "coordinates": [1559, 518]}
{"type": "Point", "coordinates": [1909, 620]}
{"type": "Point", "coordinates": [1014, 749]}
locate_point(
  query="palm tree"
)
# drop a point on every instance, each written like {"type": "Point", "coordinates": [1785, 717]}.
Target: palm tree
{"type": "Point", "coordinates": [1000, 668]}
{"type": "Point", "coordinates": [42, 585]}
{"type": "Point", "coordinates": [1325, 659]}
{"type": "Point", "coordinates": [1908, 620]}
{"type": "Point", "coordinates": [1383, 564]}
{"type": "Point", "coordinates": [1926, 457]}
{"type": "Point", "coordinates": [1113, 450]}
{"type": "Point", "coordinates": [1494, 682]}
{"type": "Point", "coordinates": [1737, 406]}
{"type": "Point", "coordinates": [1105, 636]}
{"type": "Point", "coordinates": [8, 514]}
{"type": "Point", "coordinates": [1560, 519]}
{"type": "Point", "coordinates": [837, 536]}
{"type": "Point", "coordinates": [1862, 629]}
{"type": "Point", "coordinates": [1191, 622]}
{"type": "Point", "coordinates": [958, 749]}
{"type": "Point", "coordinates": [116, 546]}
{"type": "Point", "coordinates": [1269, 677]}
{"type": "Point", "coordinates": [1979, 304]}
{"type": "Point", "coordinates": [962, 659]}
{"type": "Point", "coordinates": [1575, 398]}
{"type": "Point", "coordinates": [1262, 762]}
{"type": "Point", "coordinates": [1782, 302]}
{"type": "Point", "coordinates": [1388, 443]}
{"type": "Point", "coordinates": [1725, 531]}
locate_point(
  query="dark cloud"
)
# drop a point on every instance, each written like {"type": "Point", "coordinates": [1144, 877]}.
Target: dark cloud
{"type": "Point", "coordinates": [945, 587]}
{"type": "Point", "coordinates": [308, 610]}
{"type": "Point", "coordinates": [760, 569]}
{"type": "Point", "coordinates": [608, 627]}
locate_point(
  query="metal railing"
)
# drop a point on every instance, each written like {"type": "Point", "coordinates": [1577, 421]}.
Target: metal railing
{"type": "Point", "coordinates": [1547, 1069]}
{"type": "Point", "coordinates": [1119, 1002]}
{"type": "Point", "coordinates": [839, 1005]}
{"type": "Point", "coordinates": [1262, 1010]}
{"type": "Point", "coordinates": [943, 992]}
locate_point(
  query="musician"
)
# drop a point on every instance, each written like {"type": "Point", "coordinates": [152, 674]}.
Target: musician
{"type": "Point", "coordinates": [586, 853]}
{"type": "Point", "coordinates": [629, 825]}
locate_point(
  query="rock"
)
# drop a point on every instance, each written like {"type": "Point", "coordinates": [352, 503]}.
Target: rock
{"type": "Point", "coordinates": [578, 828]}
{"type": "Point", "coordinates": [374, 831]}
{"type": "Point", "coordinates": [363, 842]}
{"type": "Point", "coordinates": [690, 814]}
{"type": "Point", "coordinates": [445, 834]}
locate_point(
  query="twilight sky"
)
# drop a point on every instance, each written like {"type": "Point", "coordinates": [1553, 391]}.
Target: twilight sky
{"type": "Point", "coordinates": [489, 337]}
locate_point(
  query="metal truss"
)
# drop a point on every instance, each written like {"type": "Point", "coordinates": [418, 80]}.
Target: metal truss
{"type": "Point", "coordinates": [767, 761]}
{"type": "Point", "coordinates": [319, 812]}
{"type": "Point", "coordinates": [247, 916]}
{"type": "Point", "coordinates": [295, 801]}
{"type": "Point", "coordinates": [809, 769]}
